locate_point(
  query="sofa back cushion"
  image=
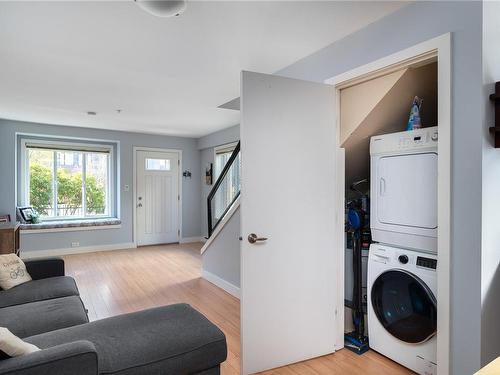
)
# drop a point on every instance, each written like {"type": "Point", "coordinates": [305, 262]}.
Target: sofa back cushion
{"type": "Point", "coordinates": [39, 290]}
{"type": "Point", "coordinates": [12, 271]}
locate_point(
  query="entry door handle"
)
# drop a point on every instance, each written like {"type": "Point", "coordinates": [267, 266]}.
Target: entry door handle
{"type": "Point", "coordinates": [253, 238]}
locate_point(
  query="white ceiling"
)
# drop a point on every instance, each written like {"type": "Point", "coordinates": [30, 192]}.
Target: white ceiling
{"type": "Point", "coordinates": [59, 60]}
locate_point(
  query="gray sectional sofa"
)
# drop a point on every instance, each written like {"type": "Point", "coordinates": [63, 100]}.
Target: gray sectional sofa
{"type": "Point", "coordinates": [49, 313]}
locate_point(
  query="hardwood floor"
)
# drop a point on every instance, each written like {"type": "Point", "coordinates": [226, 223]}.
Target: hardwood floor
{"type": "Point", "coordinates": [121, 281]}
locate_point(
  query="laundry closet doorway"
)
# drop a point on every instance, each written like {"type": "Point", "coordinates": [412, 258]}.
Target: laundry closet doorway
{"type": "Point", "coordinates": [429, 58]}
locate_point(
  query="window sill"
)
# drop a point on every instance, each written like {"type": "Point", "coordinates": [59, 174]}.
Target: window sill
{"type": "Point", "coordinates": [70, 226]}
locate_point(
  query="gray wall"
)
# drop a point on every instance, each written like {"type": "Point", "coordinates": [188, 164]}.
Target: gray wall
{"type": "Point", "coordinates": [206, 145]}
{"type": "Point", "coordinates": [190, 187]}
{"type": "Point", "coordinates": [490, 273]}
{"type": "Point", "coordinates": [220, 137]}
{"type": "Point", "coordinates": [413, 24]}
{"type": "Point", "coordinates": [222, 258]}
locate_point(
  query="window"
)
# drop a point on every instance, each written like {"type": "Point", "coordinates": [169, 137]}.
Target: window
{"type": "Point", "coordinates": [157, 164]}
{"type": "Point", "coordinates": [230, 186]}
{"type": "Point", "coordinates": [67, 180]}
{"type": "Point", "coordinates": [221, 157]}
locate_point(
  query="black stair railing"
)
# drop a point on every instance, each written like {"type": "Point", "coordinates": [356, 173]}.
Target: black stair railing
{"type": "Point", "coordinates": [225, 191]}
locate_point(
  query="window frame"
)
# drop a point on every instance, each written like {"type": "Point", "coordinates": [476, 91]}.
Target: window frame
{"type": "Point", "coordinates": [222, 149]}
{"type": "Point", "coordinates": [61, 145]}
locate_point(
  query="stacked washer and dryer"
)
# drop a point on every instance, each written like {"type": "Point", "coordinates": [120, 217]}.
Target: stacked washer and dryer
{"type": "Point", "coordinates": [402, 264]}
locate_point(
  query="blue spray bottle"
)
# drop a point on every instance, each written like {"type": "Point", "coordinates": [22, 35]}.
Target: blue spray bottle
{"type": "Point", "coordinates": [414, 122]}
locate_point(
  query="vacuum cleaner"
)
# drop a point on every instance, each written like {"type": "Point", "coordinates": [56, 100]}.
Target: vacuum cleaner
{"type": "Point", "coordinates": [357, 216]}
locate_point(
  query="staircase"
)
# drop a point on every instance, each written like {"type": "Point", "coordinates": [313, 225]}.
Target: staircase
{"type": "Point", "coordinates": [223, 200]}
{"type": "Point", "coordinates": [221, 251]}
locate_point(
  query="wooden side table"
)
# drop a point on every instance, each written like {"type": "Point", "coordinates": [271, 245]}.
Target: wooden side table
{"type": "Point", "coordinates": [9, 238]}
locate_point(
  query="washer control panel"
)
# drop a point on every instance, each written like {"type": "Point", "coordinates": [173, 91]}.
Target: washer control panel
{"type": "Point", "coordinates": [426, 262]}
{"type": "Point", "coordinates": [403, 259]}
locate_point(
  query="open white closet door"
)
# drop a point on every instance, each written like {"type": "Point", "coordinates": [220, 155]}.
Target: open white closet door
{"type": "Point", "coordinates": [289, 281]}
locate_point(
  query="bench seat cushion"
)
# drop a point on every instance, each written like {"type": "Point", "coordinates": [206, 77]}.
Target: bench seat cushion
{"type": "Point", "coordinates": [173, 339]}
{"type": "Point", "coordinates": [43, 316]}
{"type": "Point", "coordinates": [39, 290]}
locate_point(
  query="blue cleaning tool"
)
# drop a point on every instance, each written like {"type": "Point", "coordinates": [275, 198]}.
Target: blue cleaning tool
{"type": "Point", "coordinates": [356, 341]}
{"type": "Point", "coordinates": [354, 219]}
{"type": "Point", "coordinates": [357, 222]}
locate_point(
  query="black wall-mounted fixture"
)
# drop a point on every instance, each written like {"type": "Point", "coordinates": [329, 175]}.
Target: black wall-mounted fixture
{"type": "Point", "coordinates": [495, 130]}
{"type": "Point", "coordinates": [186, 174]}
{"type": "Point", "coordinates": [209, 172]}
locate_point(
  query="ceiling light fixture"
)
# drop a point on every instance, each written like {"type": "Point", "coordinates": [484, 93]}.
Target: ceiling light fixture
{"type": "Point", "coordinates": [162, 8]}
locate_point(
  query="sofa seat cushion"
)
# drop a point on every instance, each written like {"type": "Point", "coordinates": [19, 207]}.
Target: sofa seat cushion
{"type": "Point", "coordinates": [39, 290]}
{"type": "Point", "coordinates": [43, 316]}
{"type": "Point", "coordinates": [173, 339]}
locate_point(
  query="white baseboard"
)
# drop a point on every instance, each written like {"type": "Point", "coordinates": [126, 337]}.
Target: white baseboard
{"type": "Point", "coordinates": [76, 250]}
{"type": "Point", "coordinates": [221, 283]}
{"type": "Point", "coordinates": [191, 239]}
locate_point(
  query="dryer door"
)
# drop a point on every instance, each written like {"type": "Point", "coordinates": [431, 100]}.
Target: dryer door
{"type": "Point", "coordinates": [405, 306]}
{"type": "Point", "coordinates": [407, 190]}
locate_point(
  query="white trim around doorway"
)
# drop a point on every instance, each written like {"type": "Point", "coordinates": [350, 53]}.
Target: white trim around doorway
{"type": "Point", "coordinates": [439, 48]}
{"type": "Point", "coordinates": [134, 187]}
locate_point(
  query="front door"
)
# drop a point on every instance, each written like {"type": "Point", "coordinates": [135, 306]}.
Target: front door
{"type": "Point", "coordinates": [157, 198]}
{"type": "Point", "coordinates": [288, 221]}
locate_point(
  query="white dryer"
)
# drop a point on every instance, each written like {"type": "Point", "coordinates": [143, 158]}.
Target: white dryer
{"type": "Point", "coordinates": [402, 315]}
{"type": "Point", "coordinates": [404, 189]}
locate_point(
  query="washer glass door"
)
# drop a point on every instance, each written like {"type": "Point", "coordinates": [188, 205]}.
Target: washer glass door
{"type": "Point", "coordinates": [405, 306]}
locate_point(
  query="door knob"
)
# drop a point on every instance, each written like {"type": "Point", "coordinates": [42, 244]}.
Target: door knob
{"type": "Point", "coordinates": [253, 238]}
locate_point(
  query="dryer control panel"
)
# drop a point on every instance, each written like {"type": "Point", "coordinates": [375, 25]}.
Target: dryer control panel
{"type": "Point", "coordinates": [426, 138]}
{"type": "Point", "coordinates": [415, 140]}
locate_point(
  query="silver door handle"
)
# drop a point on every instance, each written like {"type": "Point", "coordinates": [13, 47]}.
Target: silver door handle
{"type": "Point", "coordinates": [253, 238]}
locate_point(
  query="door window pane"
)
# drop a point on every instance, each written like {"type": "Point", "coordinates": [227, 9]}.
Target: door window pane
{"type": "Point", "coordinates": [157, 164]}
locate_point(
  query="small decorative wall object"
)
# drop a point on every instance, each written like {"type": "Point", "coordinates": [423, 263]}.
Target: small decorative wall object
{"type": "Point", "coordinates": [186, 174]}
{"type": "Point", "coordinates": [495, 130]}
{"type": "Point", "coordinates": [415, 122]}
{"type": "Point", "coordinates": [5, 219]}
{"type": "Point", "coordinates": [209, 174]}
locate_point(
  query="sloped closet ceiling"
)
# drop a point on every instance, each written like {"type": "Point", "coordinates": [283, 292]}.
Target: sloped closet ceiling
{"type": "Point", "coordinates": [382, 106]}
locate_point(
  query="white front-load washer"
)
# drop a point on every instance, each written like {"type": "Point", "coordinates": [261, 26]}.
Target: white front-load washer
{"type": "Point", "coordinates": [402, 315]}
{"type": "Point", "coordinates": [403, 188]}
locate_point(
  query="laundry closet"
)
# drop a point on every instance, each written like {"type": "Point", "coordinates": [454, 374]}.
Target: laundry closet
{"type": "Point", "coordinates": [328, 168]}
{"type": "Point", "coordinates": [390, 262]}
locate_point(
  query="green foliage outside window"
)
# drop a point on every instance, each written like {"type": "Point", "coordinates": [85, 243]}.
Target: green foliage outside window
{"type": "Point", "coordinates": [40, 188]}
{"type": "Point", "coordinates": [69, 192]}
